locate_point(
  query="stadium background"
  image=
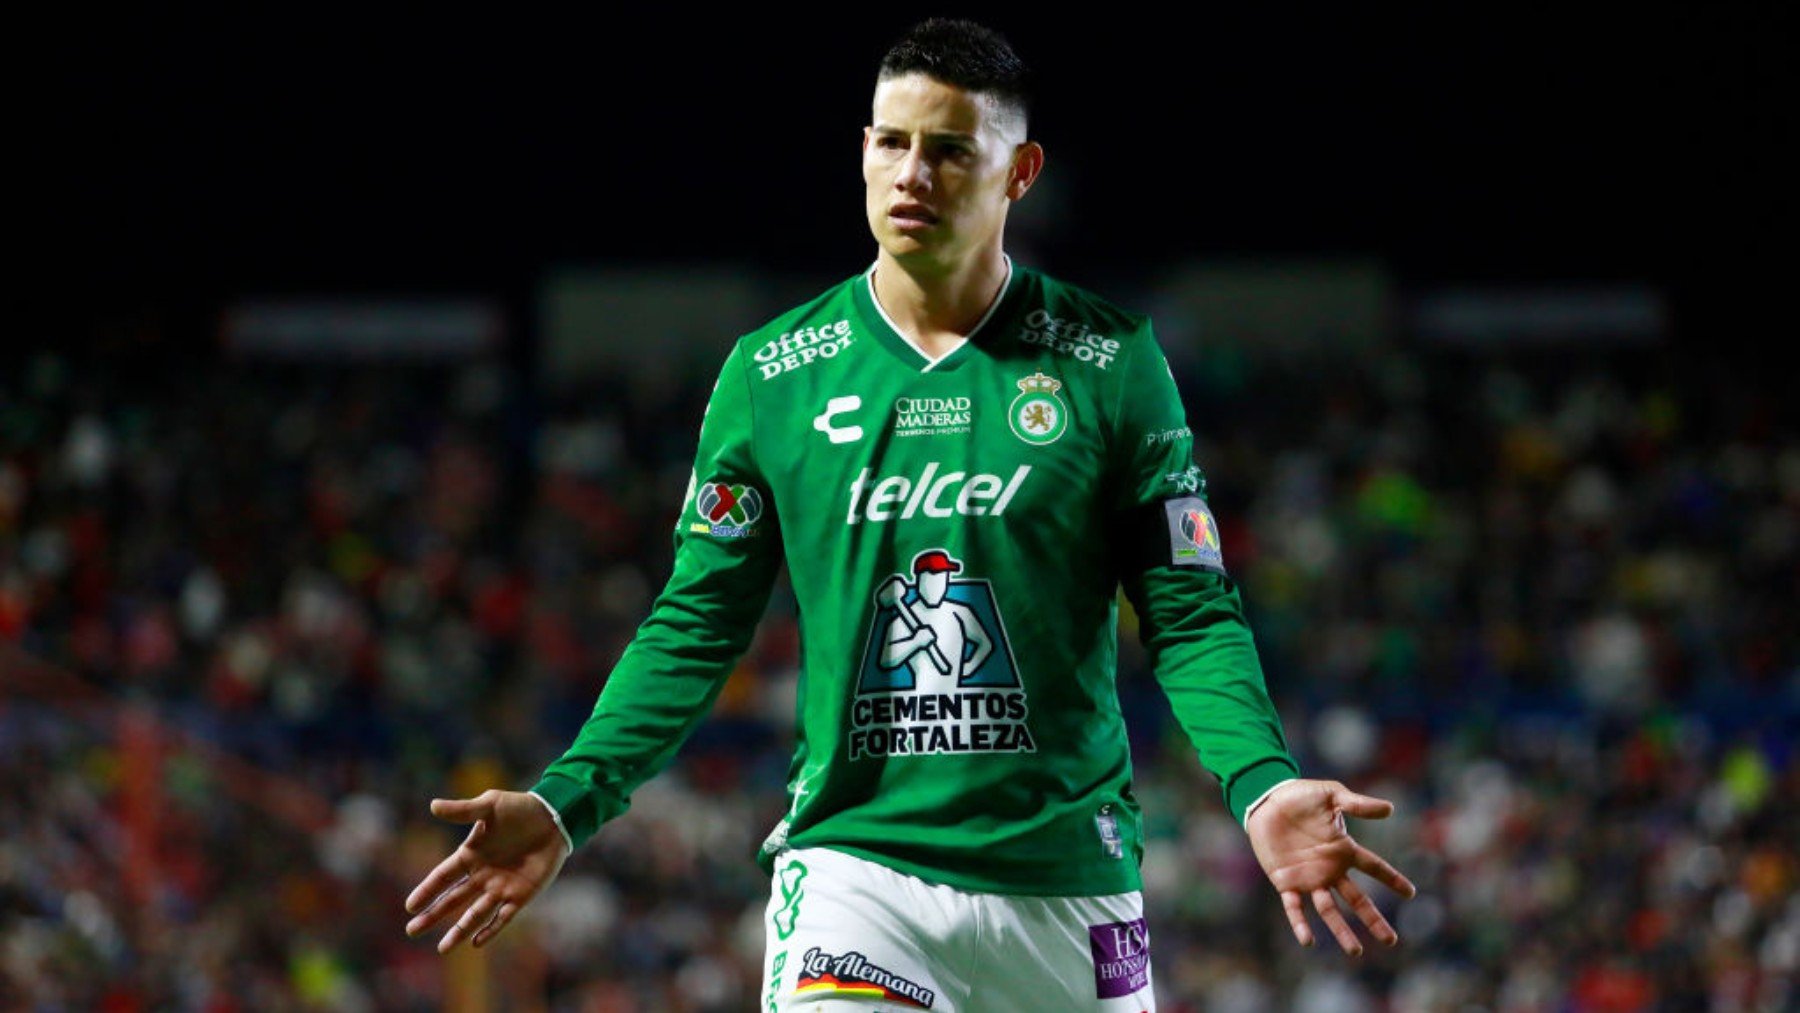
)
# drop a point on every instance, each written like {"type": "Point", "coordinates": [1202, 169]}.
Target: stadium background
{"type": "Point", "coordinates": [357, 357]}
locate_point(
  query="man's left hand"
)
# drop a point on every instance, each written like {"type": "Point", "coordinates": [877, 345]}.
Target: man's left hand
{"type": "Point", "coordinates": [1300, 839]}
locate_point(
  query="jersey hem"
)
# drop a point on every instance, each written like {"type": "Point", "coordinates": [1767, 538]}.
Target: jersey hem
{"type": "Point", "coordinates": [1098, 881]}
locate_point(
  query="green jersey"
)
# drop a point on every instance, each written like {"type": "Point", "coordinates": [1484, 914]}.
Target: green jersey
{"type": "Point", "coordinates": [956, 532]}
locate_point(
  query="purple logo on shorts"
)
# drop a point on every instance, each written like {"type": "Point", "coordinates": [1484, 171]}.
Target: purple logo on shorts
{"type": "Point", "coordinates": [1121, 957]}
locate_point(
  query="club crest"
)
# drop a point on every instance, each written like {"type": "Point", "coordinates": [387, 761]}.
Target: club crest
{"type": "Point", "coordinates": [1037, 415]}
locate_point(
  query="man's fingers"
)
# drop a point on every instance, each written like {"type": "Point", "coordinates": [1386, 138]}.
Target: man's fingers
{"type": "Point", "coordinates": [472, 921]}
{"type": "Point", "coordinates": [492, 929]}
{"type": "Point", "coordinates": [1327, 907]}
{"type": "Point", "coordinates": [1367, 911]}
{"type": "Point", "coordinates": [445, 905]}
{"type": "Point", "coordinates": [1378, 867]}
{"type": "Point", "coordinates": [463, 810]}
{"type": "Point", "coordinates": [1365, 807]}
{"type": "Point", "coordinates": [1290, 902]}
{"type": "Point", "coordinates": [447, 872]}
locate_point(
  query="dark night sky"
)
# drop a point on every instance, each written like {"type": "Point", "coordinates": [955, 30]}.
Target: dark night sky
{"type": "Point", "coordinates": [191, 158]}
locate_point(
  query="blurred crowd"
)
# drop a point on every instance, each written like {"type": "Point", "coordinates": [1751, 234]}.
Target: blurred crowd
{"type": "Point", "coordinates": [254, 615]}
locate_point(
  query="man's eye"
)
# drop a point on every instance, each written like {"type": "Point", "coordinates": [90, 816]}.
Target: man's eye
{"type": "Point", "coordinates": [890, 143]}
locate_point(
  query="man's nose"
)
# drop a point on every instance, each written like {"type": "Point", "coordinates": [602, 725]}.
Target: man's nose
{"type": "Point", "coordinates": [915, 172]}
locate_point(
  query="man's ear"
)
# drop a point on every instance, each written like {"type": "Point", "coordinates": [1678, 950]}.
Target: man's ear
{"type": "Point", "coordinates": [1027, 163]}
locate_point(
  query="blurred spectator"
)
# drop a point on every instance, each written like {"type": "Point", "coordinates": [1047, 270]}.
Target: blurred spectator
{"type": "Point", "coordinates": [1546, 603]}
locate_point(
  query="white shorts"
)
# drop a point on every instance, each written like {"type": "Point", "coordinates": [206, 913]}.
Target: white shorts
{"type": "Point", "coordinates": [846, 934]}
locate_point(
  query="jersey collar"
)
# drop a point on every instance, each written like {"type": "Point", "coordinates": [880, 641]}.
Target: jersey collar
{"type": "Point", "coordinates": [889, 335]}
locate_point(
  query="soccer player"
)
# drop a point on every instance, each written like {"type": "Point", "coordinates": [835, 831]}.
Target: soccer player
{"type": "Point", "coordinates": [960, 460]}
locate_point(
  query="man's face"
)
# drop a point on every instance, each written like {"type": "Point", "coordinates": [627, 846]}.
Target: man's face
{"type": "Point", "coordinates": [932, 585]}
{"type": "Point", "coordinates": [941, 166]}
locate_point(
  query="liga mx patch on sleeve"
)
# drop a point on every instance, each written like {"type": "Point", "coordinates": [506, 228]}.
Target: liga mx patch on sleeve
{"type": "Point", "coordinates": [1193, 534]}
{"type": "Point", "coordinates": [726, 510]}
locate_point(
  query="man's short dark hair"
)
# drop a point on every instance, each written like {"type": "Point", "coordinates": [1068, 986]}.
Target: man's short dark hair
{"type": "Point", "coordinates": [963, 54]}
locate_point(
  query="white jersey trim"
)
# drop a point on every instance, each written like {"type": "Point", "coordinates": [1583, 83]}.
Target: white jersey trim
{"type": "Point", "coordinates": [568, 843]}
{"type": "Point", "coordinates": [1264, 797]}
{"type": "Point", "coordinates": [869, 279]}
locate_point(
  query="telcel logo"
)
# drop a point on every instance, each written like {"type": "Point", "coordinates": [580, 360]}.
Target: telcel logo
{"type": "Point", "coordinates": [899, 497]}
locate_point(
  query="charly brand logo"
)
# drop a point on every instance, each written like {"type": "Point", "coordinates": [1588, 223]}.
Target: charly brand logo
{"type": "Point", "coordinates": [937, 495]}
{"type": "Point", "coordinates": [729, 511]}
{"type": "Point", "coordinates": [1037, 415]}
{"type": "Point", "coordinates": [1069, 337]}
{"type": "Point", "coordinates": [852, 975]}
{"type": "Point", "coordinates": [833, 408]}
{"type": "Point", "coordinates": [1187, 479]}
{"type": "Point", "coordinates": [1121, 958]}
{"type": "Point", "coordinates": [933, 416]}
{"type": "Point", "coordinates": [792, 349]}
{"type": "Point", "coordinates": [938, 674]}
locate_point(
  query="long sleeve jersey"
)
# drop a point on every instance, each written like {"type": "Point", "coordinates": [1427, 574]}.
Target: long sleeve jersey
{"type": "Point", "coordinates": [956, 532]}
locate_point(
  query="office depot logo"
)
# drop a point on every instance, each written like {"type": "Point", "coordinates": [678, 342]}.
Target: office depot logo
{"type": "Point", "coordinates": [1069, 337]}
{"type": "Point", "coordinates": [793, 349]}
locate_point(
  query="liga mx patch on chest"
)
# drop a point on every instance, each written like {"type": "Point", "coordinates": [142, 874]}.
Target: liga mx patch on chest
{"type": "Point", "coordinates": [1193, 534]}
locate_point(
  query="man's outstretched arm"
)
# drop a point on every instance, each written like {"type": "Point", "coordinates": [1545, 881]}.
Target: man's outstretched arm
{"type": "Point", "coordinates": [727, 553]}
{"type": "Point", "coordinates": [1192, 623]}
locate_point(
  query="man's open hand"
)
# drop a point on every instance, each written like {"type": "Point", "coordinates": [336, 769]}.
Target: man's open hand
{"type": "Point", "coordinates": [513, 851]}
{"type": "Point", "coordinates": [1300, 839]}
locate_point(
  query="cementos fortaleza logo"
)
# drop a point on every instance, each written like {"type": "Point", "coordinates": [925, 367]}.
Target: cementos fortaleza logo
{"type": "Point", "coordinates": [938, 673]}
{"type": "Point", "coordinates": [729, 511]}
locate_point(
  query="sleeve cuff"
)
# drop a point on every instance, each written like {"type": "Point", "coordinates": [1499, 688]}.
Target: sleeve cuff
{"type": "Point", "coordinates": [1252, 783]}
{"type": "Point", "coordinates": [568, 842]}
{"type": "Point", "coordinates": [1264, 797]}
{"type": "Point", "coordinates": [580, 809]}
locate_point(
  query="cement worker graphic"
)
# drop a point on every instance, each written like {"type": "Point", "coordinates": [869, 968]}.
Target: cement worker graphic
{"type": "Point", "coordinates": [941, 638]}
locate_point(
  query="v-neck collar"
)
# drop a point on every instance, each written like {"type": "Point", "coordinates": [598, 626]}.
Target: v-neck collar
{"type": "Point", "coordinates": [889, 335]}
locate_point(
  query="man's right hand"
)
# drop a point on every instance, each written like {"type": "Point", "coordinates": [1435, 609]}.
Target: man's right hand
{"type": "Point", "coordinates": [511, 854]}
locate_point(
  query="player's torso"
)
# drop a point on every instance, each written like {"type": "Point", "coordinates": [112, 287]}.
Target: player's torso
{"type": "Point", "coordinates": [995, 457]}
{"type": "Point", "coordinates": [968, 498]}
